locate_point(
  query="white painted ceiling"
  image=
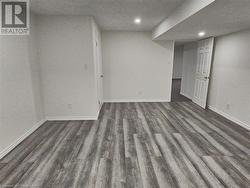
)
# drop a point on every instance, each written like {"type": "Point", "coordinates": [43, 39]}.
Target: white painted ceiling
{"type": "Point", "coordinates": [219, 18]}
{"type": "Point", "coordinates": [111, 14]}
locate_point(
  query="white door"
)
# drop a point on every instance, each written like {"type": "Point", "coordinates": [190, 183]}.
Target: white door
{"type": "Point", "coordinates": [203, 67]}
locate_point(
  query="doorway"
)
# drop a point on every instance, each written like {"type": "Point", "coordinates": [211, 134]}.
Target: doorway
{"type": "Point", "coordinates": [177, 75]}
{"type": "Point", "coordinates": [191, 71]}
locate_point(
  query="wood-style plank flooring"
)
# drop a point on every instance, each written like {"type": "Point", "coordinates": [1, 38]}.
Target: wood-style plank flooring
{"type": "Point", "coordinates": [137, 145]}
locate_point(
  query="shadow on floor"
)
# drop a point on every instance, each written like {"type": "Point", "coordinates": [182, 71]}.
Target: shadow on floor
{"type": "Point", "coordinates": [176, 89]}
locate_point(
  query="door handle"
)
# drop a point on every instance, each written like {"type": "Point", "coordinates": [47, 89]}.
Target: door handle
{"type": "Point", "coordinates": [206, 77]}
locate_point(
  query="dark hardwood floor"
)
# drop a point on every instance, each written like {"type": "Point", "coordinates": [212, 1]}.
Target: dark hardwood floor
{"type": "Point", "coordinates": [137, 145]}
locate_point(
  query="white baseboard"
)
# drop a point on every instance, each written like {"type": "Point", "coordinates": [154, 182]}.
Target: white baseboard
{"type": "Point", "coordinates": [74, 118]}
{"type": "Point", "coordinates": [135, 100]}
{"type": "Point", "coordinates": [38, 124]}
{"type": "Point", "coordinates": [231, 118]}
{"type": "Point", "coordinates": [20, 139]}
{"type": "Point", "coordinates": [71, 118]}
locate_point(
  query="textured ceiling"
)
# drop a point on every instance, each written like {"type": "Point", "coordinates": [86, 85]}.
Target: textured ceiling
{"type": "Point", "coordinates": [111, 14]}
{"type": "Point", "coordinates": [219, 18]}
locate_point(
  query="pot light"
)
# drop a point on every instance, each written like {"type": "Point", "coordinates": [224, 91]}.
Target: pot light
{"type": "Point", "coordinates": [137, 20]}
{"type": "Point", "coordinates": [201, 34]}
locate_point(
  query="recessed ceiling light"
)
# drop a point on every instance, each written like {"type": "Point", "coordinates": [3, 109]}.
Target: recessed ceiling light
{"type": "Point", "coordinates": [137, 20]}
{"type": "Point", "coordinates": [202, 33]}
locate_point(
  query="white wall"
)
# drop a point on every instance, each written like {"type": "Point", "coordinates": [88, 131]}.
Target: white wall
{"type": "Point", "coordinates": [35, 67]}
{"type": "Point", "coordinates": [230, 83]}
{"type": "Point", "coordinates": [21, 101]}
{"type": "Point", "coordinates": [178, 62]}
{"type": "Point", "coordinates": [188, 69]}
{"type": "Point", "coordinates": [136, 68]}
{"type": "Point", "coordinates": [67, 63]}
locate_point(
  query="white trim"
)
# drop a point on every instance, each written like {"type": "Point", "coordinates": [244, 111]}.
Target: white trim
{"type": "Point", "coordinates": [20, 139]}
{"type": "Point", "coordinates": [71, 118]}
{"type": "Point", "coordinates": [38, 124]}
{"type": "Point", "coordinates": [136, 100]}
{"type": "Point", "coordinates": [74, 118]}
{"type": "Point", "coordinates": [99, 110]}
{"type": "Point", "coordinates": [233, 119]}
{"type": "Point", "coordinates": [171, 70]}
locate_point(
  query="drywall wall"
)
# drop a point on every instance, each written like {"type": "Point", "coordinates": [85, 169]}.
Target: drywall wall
{"type": "Point", "coordinates": [229, 91]}
{"type": "Point", "coordinates": [178, 62]}
{"type": "Point", "coordinates": [35, 68]}
{"type": "Point", "coordinates": [188, 69]}
{"type": "Point", "coordinates": [136, 68]}
{"type": "Point", "coordinates": [21, 100]}
{"type": "Point", "coordinates": [67, 64]}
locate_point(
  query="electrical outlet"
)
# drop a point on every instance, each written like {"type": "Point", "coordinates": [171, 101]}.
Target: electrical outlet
{"type": "Point", "coordinates": [228, 106]}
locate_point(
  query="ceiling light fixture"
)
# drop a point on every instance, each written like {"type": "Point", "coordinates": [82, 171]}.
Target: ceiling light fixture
{"type": "Point", "coordinates": [201, 34]}
{"type": "Point", "coordinates": [137, 20]}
